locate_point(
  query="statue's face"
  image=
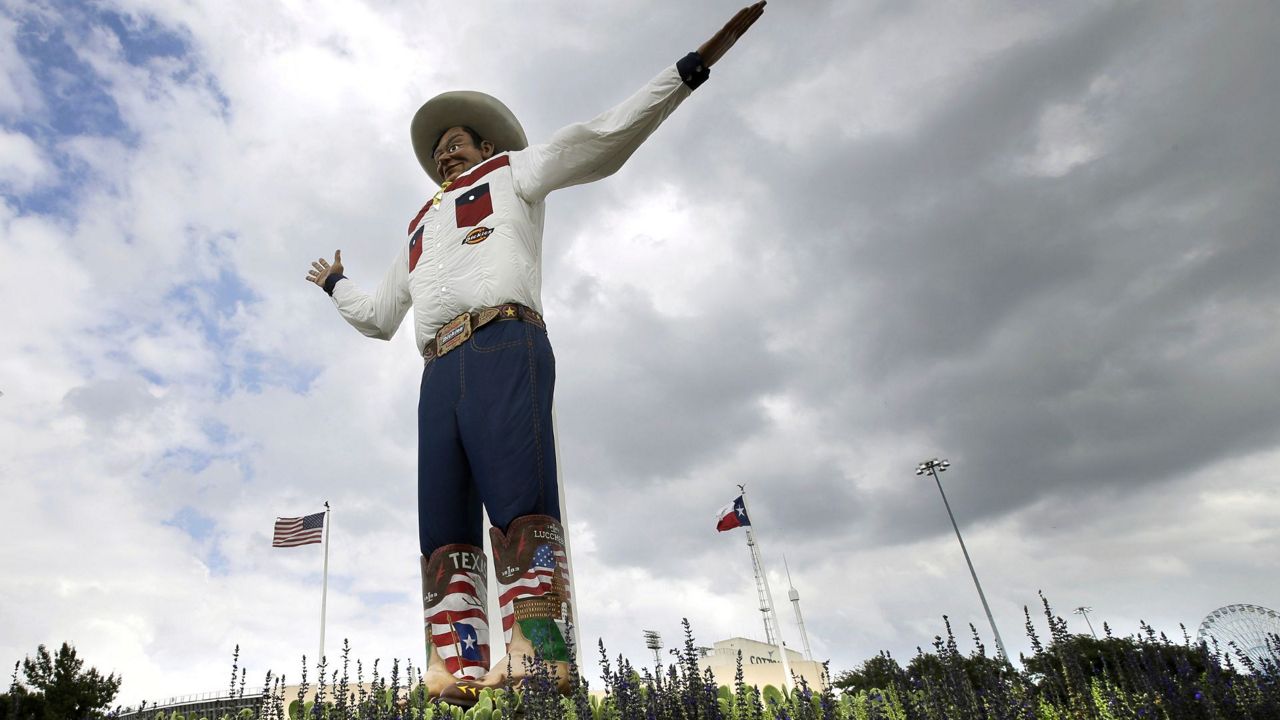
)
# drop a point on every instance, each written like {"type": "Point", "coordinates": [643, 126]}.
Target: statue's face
{"type": "Point", "coordinates": [457, 153]}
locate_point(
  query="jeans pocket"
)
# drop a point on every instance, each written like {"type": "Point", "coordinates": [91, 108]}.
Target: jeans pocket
{"type": "Point", "coordinates": [497, 336]}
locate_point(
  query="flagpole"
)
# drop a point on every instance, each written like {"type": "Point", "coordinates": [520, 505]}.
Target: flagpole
{"type": "Point", "coordinates": [777, 626]}
{"type": "Point", "coordinates": [324, 585]}
{"type": "Point", "coordinates": [568, 552]}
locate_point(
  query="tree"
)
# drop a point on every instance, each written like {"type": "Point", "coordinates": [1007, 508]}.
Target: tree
{"type": "Point", "coordinates": [1124, 661]}
{"type": "Point", "coordinates": [977, 669]}
{"type": "Point", "coordinates": [58, 688]}
{"type": "Point", "coordinates": [878, 673]}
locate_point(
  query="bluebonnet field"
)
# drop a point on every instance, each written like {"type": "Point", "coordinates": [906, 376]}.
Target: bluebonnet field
{"type": "Point", "coordinates": [1068, 677]}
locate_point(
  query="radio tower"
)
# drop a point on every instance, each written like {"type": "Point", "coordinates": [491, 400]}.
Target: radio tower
{"type": "Point", "coordinates": [764, 598]}
{"type": "Point", "coordinates": [795, 603]}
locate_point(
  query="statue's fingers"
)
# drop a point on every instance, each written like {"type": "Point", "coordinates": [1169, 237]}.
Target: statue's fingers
{"type": "Point", "coordinates": [751, 14]}
{"type": "Point", "coordinates": [747, 21]}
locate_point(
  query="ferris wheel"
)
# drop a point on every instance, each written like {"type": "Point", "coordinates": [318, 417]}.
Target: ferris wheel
{"type": "Point", "coordinates": [1250, 629]}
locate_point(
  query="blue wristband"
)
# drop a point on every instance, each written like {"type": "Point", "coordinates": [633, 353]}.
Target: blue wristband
{"type": "Point", "coordinates": [332, 280]}
{"type": "Point", "coordinates": [692, 71]}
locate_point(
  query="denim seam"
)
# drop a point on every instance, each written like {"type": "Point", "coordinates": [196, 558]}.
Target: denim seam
{"type": "Point", "coordinates": [428, 371]}
{"type": "Point", "coordinates": [474, 343]}
{"type": "Point", "coordinates": [493, 348]}
{"type": "Point", "coordinates": [537, 429]}
{"type": "Point", "coordinates": [462, 379]}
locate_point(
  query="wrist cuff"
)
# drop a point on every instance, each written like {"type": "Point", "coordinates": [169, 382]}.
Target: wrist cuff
{"type": "Point", "coordinates": [692, 71]}
{"type": "Point", "coordinates": [332, 280]}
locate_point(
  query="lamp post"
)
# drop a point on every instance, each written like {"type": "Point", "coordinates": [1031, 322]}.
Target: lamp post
{"type": "Point", "coordinates": [1085, 610]}
{"type": "Point", "coordinates": [653, 641]}
{"type": "Point", "coordinates": [934, 467]}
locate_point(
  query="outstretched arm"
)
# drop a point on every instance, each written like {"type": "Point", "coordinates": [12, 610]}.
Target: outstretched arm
{"type": "Point", "coordinates": [377, 315]}
{"type": "Point", "coordinates": [585, 152]}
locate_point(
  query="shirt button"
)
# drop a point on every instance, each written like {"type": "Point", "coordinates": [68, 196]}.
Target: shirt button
{"type": "Point", "coordinates": [440, 266]}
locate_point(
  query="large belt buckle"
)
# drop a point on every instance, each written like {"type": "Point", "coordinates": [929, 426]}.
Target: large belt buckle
{"type": "Point", "coordinates": [453, 334]}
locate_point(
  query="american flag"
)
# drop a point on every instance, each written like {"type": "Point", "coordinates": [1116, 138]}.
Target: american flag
{"type": "Point", "coordinates": [538, 580]}
{"type": "Point", "coordinates": [292, 532]}
{"type": "Point", "coordinates": [459, 630]}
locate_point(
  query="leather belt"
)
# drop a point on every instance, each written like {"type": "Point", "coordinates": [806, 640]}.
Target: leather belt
{"type": "Point", "coordinates": [459, 330]}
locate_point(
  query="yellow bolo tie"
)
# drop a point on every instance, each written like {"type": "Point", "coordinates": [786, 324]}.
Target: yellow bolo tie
{"type": "Point", "coordinates": [435, 201]}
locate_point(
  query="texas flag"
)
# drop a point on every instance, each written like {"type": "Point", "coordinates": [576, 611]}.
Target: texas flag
{"type": "Point", "coordinates": [733, 515]}
{"type": "Point", "coordinates": [469, 642]}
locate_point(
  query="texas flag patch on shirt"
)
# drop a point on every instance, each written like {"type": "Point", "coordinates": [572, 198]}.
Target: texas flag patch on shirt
{"type": "Point", "coordinates": [415, 248]}
{"type": "Point", "coordinates": [473, 205]}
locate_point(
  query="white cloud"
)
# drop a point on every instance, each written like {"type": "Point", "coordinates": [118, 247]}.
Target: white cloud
{"type": "Point", "coordinates": [18, 92]}
{"type": "Point", "coordinates": [1068, 134]}
{"type": "Point", "coordinates": [673, 249]}
{"type": "Point", "coordinates": [23, 167]}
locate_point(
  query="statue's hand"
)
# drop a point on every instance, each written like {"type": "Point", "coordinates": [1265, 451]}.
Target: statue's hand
{"type": "Point", "coordinates": [719, 44]}
{"type": "Point", "coordinates": [321, 269]}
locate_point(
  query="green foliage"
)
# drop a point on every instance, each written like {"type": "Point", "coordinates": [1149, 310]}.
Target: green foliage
{"type": "Point", "coordinates": [56, 687]}
{"type": "Point", "coordinates": [1069, 677]}
{"type": "Point", "coordinates": [881, 671]}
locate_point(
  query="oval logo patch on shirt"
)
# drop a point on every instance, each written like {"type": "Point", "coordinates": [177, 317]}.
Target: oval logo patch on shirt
{"type": "Point", "coordinates": [477, 236]}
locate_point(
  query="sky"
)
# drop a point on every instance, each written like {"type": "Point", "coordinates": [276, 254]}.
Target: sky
{"type": "Point", "coordinates": [1035, 239]}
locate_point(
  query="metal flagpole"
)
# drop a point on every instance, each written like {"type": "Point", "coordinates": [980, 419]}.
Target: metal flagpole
{"type": "Point", "coordinates": [324, 585]}
{"type": "Point", "coordinates": [777, 626]}
{"type": "Point", "coordinates": [568, 552]}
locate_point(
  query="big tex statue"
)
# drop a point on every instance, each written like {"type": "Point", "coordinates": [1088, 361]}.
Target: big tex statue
{"type": "Point", "coordinates": [471, 269]}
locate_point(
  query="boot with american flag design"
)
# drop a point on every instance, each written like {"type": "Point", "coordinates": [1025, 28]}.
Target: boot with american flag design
{"type": "Point", "coordinates": [454, 592]}
{"type": "Point", "coordinates": [534, 592]}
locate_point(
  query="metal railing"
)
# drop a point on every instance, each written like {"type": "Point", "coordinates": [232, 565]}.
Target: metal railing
{"type": "Point", "coordinates": [216, 701]}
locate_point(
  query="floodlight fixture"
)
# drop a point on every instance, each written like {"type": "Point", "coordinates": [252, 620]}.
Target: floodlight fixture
{"type": "Point", "coordinates": [653, 641]}
{"type": "Point", "coordinates": [1085, 610]}
{"type": "Point", "coordinates": [934, 465]}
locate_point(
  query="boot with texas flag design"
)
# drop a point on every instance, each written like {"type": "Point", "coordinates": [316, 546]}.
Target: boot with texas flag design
{"type": "Point", "coordinates": [454, 592]}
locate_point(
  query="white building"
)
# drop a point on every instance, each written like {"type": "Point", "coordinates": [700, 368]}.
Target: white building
{"type": "Point", "coordinates": [760, 664]}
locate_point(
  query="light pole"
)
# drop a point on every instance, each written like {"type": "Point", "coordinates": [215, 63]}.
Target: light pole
{"type": "Point", "coordinates": [934, 467]}
{"type": "Point", "coordinates": [1085, 610]}
{"type": "Point", "coordinates": [653, 641]}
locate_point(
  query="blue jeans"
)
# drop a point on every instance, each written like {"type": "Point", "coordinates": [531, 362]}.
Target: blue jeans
{"type": "Point", "coordinates": [485, 435]}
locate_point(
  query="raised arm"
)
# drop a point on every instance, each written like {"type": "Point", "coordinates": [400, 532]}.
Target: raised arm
{"type": "Point", "coordinates": [584, 152]}
{"type": "Point", "coordinates": [378, 315]}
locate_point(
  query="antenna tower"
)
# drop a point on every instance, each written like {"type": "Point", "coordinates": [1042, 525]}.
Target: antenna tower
{"type": "Point", "coordinates": [764, 599]}
{"type": "Point", "coordinates": [795, 603]}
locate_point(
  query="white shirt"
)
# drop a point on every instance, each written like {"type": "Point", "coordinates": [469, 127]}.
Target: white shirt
{"type": "Point", "coordinates": [482, 245]}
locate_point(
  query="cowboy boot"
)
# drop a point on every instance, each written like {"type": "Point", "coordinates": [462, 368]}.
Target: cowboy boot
{"type": "Point", "coordinates": [534, 592]}
{"type": "Point", "coordinates": [455, 623]}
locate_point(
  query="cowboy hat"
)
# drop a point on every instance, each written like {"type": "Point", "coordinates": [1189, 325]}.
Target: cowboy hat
{"type": "Point", "coordinates": [483, 113]}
